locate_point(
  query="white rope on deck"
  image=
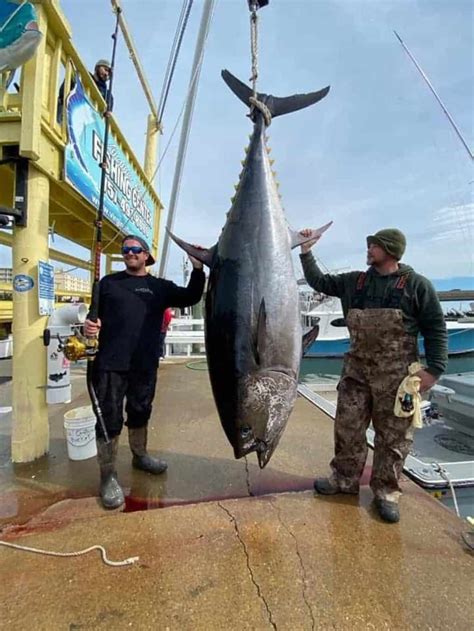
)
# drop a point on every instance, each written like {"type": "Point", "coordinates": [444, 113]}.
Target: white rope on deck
{"type": "Point", "coordinates": [444, 474]}
{"type": "Point", "coordinates": [103, 553]}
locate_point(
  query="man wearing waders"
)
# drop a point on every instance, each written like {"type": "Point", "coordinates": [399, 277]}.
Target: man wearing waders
{"type": "Point", "coordinates": [385, 309]}
{"type": "Point", "coordinates": [131, 307]}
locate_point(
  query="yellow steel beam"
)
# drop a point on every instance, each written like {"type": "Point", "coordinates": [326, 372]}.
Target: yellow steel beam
{"type": "Point", "coordinates": [30, 427]}
{"type": "Point", "coordinates": [6, 238]}
{"type": "Point", "coordinates": [32, 95]}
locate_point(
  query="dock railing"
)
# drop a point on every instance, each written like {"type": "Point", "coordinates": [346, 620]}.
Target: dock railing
{"type": "Point", "coordinates": [185, 337]}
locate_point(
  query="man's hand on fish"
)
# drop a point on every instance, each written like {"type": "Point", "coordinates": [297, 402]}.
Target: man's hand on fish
{"type": "Point", "coordinates": [195, 263]}
{"type": "Point", "coordinates": [306, 247]}
{"type": "Point", "coordinates": [91, 329]}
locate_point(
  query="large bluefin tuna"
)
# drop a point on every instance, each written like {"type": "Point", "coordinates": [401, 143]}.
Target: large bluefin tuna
{"type": "Point", "coordinates": [252, 324]}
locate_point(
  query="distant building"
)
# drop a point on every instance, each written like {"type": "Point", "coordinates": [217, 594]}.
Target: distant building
{"type": "Point", "coordinates": [6, 275]}
{"type": "Point", "coordinates": [70, 283]}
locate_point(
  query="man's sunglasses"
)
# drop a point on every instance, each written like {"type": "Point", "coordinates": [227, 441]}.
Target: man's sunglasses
{"type": "Point", "coordinates": [134, 249]}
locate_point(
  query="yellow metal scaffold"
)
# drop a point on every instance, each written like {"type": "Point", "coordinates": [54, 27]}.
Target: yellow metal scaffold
{"type": "Point", "coordinates": [33, 137]}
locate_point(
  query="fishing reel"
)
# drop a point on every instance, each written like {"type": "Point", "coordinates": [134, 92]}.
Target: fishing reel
{"type": "Point", "coordinates": [76, 347]}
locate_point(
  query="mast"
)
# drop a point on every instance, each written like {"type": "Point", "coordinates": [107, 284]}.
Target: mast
{"type": "Point", "coordinates": [183, 142]}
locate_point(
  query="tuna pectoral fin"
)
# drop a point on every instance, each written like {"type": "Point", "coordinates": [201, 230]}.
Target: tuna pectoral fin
{"type": "Point", "coordinates": [201, 254]}
{"type": "Point", "coordinates": [309, 338]}
{"type": "Point", "coordinates": [276, 105]}
{"type": "Point", "coordinates": [261, 336]}
{"type": "Point", "coordinates": [298, 239]}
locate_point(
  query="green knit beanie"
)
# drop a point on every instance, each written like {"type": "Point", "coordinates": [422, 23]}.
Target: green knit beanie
{"type": "Point", "coordinates": [103, 62]}
{"type": "Point", "coordinates": [391, 240]}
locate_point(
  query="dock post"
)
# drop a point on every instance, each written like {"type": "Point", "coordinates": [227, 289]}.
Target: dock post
{"type": "Point", "coordinates": [30, 431]}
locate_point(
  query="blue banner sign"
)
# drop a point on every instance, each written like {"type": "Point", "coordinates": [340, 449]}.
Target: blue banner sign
{"type": "Point", "coordinates": [127, 204]}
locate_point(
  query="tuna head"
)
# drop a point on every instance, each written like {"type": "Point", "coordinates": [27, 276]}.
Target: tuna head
{"type": "Point", "coordinates": [265, 401]}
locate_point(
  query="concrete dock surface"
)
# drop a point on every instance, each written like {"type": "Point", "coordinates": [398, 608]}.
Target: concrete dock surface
{"type": "Point", "coordinates": [221, 544]}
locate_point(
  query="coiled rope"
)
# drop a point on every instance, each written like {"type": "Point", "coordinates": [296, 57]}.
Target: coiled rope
{"type": "Point", "coordinates": [103, 553]}
{"type": "Point", "coordinates": [199, 364]}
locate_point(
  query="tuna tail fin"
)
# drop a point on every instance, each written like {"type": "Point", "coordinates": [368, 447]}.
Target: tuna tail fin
{"type": "Point", "coordinates": [204, 255]}
{"type": "Point", "coordinates": [277, 105]}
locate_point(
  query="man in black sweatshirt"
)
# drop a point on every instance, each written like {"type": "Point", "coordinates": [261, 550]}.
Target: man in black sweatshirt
{"type": "Point", "coordinates": [385, 308]}
{"type": "Point", "coordinates": [131, 307]}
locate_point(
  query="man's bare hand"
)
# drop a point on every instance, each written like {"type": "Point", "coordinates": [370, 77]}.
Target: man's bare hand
{"type": "Point", "coordinates": [427, 380]}
{"type": "Point", "coordinates": [306, 247]}
{"type": "Point", "coordinates": [196, 263]}
{"type": "Point", "coordinates": [91, 329]}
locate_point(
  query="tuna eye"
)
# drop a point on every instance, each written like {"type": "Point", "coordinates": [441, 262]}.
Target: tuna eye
{"type": "Point", "coordinates": [245, 431]}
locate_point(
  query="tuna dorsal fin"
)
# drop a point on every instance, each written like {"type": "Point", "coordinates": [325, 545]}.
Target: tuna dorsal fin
{"type": "Point", "coordinates": [261, 336]}
{"type": "Point", "coordinates": [277, 105]}
{"type": "Point", "coordinates": [310, 337]}
{"type": "Point", "coordinates": [205, 255]}
{"type": "Point", "coordinates": [297, 239]}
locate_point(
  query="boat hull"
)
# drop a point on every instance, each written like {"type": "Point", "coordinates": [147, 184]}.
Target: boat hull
{"type": "Point", "coordinates": [460, 342]}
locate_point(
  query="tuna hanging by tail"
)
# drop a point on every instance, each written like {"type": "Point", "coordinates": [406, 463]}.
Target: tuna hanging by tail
{"type": "Point", "coordinates": [253, 330]}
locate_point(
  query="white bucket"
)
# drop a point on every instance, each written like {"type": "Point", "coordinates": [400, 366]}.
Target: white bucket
{"type": "Point", "coordinates": [80, 433]}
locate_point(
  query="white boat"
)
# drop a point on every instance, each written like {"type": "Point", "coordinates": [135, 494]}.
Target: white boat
{"type": "Point", "coordinates": [453, 396]}
{"type": "Point", "coordinates": [6, 352]}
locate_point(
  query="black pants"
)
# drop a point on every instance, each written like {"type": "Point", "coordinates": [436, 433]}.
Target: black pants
{"type": "Point", "coordinates": [162, 343]}
{"type": "Point", "coordinates": [138, 388]}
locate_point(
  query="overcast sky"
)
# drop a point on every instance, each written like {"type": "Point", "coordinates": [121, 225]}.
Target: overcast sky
{"type": "Point", "coordinates": [376, 152]}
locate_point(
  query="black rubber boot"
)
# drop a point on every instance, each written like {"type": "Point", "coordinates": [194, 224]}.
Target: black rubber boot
{"type": "Point", "coordinates": [328, 486]}
{"type": "Point", "coordinates": [110, 491]}
{"type": "Point", "coordinates": [137, 437]}
{"type": "Point", "coordinates": [388, 511]}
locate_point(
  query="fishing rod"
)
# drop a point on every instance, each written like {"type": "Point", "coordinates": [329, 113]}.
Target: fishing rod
{"type": "Point", "coordinates": [443, 107]}
{"type": "Point", "coordinates": [77, 346]}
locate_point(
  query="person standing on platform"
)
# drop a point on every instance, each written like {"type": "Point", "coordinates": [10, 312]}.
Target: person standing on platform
{"type": "Point", "coordinates": [385, 308]}
{"type": "Point", "coordinates": [131, 308]}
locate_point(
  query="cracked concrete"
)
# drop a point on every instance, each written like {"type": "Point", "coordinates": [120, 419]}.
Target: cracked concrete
{"type": "Point", "coordinates": [252, 577]}
{"type": "Point", "coordinates": [303, 570]}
